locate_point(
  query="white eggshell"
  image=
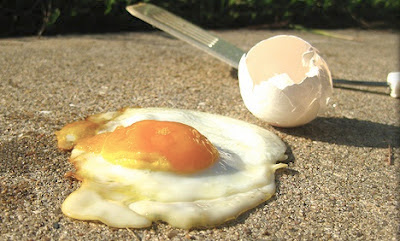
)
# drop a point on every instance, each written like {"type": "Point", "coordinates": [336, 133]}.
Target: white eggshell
{"type": "Point", "coordinates": [284, 81]}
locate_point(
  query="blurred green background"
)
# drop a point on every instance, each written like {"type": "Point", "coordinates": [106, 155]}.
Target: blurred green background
{"type": "Point", "coordinates": [46, 17]}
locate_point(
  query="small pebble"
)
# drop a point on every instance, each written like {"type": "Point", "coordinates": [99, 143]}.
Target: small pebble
{"type": "Point", "coordinates": [56, 225]}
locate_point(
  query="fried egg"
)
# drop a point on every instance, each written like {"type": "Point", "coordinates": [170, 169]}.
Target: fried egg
{"type": "Point", "coordinates": [187, 168]}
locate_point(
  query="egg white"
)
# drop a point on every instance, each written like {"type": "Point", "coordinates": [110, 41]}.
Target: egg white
{"type": "Point", "coordinates": [125, 197]}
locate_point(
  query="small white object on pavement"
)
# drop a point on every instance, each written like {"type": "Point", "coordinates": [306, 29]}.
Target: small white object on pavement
{"type": "Point", "coordinates": [393, 80]}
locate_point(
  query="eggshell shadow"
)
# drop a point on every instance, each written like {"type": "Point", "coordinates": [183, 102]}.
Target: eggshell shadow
{"type": "Point", "coordinates": [349, 132]}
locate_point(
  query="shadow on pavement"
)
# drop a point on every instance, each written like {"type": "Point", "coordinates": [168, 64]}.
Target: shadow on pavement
{"type": "Point", "coordinates": [349, 132]}
{"type": "Point", "coordinates": [381, 91]}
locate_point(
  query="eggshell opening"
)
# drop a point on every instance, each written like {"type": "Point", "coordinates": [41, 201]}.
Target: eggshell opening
{"type": "Point", "coordinates": [284, 81]}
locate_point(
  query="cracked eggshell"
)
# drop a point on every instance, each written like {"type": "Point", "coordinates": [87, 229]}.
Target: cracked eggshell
{"type": "Point", "coordinates": [284, 81]}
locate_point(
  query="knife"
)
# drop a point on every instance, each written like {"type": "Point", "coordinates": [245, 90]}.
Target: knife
{"type": "Point", "coordinates": [204, 40]}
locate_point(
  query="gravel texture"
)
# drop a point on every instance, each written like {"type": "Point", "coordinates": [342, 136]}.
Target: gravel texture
{"type": "Point", "coordinates": [343, 177]}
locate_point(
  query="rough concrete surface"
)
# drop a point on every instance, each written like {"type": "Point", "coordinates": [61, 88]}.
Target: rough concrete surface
{"type": "Point", "coordinates": [343, 177]}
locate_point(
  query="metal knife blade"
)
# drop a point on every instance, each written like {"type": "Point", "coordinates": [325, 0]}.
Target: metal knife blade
{"type": "Point", "coordinates": [190, 33]}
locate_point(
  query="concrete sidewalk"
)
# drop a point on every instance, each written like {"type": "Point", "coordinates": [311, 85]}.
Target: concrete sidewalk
{"type": "Point", "coordinates": [343, 176]}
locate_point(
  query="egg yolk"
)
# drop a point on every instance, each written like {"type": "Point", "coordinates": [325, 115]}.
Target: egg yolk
{"type": "Point", "coordinates": [155, 145]}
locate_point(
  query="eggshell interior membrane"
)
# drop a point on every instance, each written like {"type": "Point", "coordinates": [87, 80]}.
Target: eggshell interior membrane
{"type": "Point", "coordinates": [119, 196]}
{"type": "Point", "coordinates": [284, 81]}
